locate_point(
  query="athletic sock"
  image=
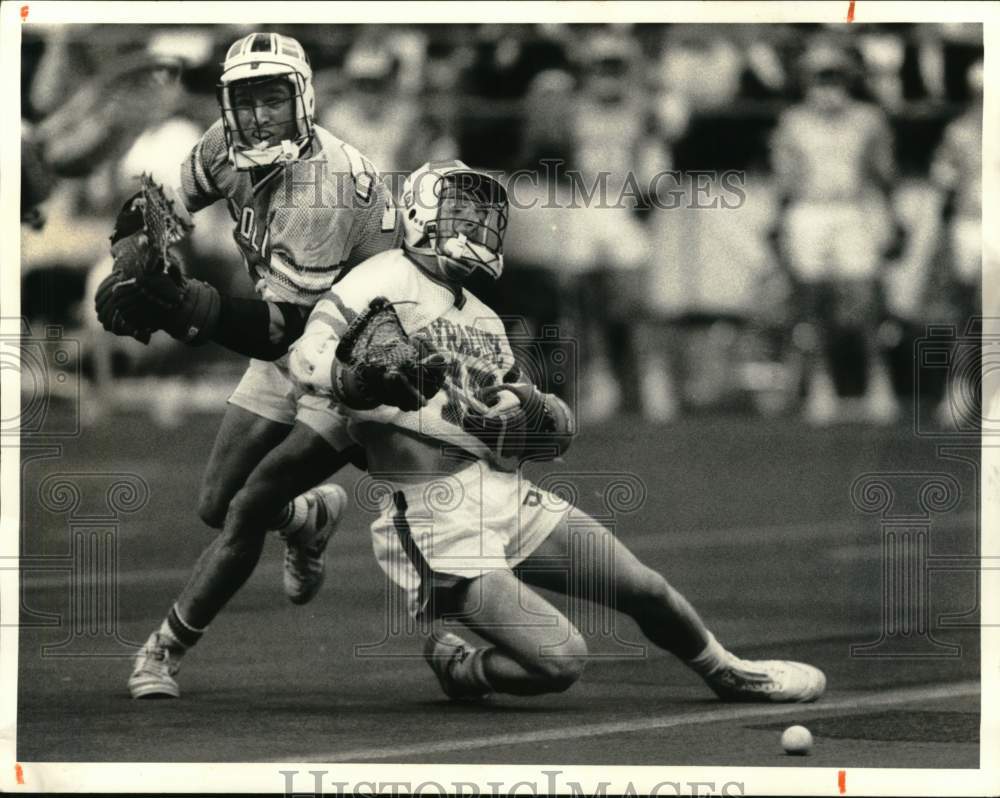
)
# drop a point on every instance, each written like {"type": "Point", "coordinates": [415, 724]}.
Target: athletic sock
{"type": "Point", "coordinates": [470, 671]}
{"type": "Point", "coordinates": [293, 517]}
{"type": "Point", "coordinates": [179, 634]}
{"type": "Point", "coordinates": [712, 657]}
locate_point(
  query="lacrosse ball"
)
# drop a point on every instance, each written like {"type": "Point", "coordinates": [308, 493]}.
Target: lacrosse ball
{"type": "Point", "coordinates": [797, 740]}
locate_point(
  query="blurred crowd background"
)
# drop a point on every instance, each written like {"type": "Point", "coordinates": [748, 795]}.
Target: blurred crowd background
{"type": "Point", "coordinates": [667, 310]}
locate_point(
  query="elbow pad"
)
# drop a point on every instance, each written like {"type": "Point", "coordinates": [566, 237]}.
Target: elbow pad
{"type": "Point", "coordinates": [257, 328]}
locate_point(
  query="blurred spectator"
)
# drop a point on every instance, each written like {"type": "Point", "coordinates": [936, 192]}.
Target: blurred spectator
{"type": "Point", "coordinates": [548, 112]}
{"type": "Point", "coordinates": [705, 294]}
{"type": "Point", "coordinates": [693, 52]}
{"type": "Point", "coordinates": [883, 52]}
{"type": "Point", "coordinates": [383, 112]}
{"type": "Point", "coordinates": [947, 50]}
{"type": "Point", "coordinates": [36, 178]}
{"type": "Point", "coordinates": [833, 160]}
{"type": "Point", "coordinates": [957, 173]}
{"type": "Point", "coordinates": [674, 295]}
{"type": "Point", "coordinates": [615, 153]}
{"type": "Point", "coordinates": [501, 63]}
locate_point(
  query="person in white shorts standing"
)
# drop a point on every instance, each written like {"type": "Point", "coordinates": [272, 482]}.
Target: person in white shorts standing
{"type": "Point", "coordinates": [464, 533]}
{"type": "Point", "coordinates": [833, 162]}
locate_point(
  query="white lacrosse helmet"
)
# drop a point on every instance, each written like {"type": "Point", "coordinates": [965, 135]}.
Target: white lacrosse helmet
{"type": "Point", "coordinates": [471, 238]}
{"type": "Point", "coordinates": [258, 58]}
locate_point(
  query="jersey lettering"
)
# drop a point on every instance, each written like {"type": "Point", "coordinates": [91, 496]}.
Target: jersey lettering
{"type": "Point", "coordinates": [246, 224]}
{"type": "Point", "coordinates": [363, 172]}
{"type": "Point", "coordinates": [250, 238]}
{"type": "Point", "coordinates": [388, 216]}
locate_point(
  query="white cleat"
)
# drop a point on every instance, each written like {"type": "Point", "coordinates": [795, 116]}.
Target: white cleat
{"type": "Point", "coordinates": [154, 671]}
{"type": "Point", "coordinates": [774, 680]}
{"type": "Point", "coordinates": [443, 651]}
{"type": "Point", "coordinates": [305, 561]}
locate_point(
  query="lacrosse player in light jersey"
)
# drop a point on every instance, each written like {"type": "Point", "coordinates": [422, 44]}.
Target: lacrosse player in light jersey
{"type": "Point", "coordinates": [833, 164]}
{"type": "Point", "coordinates": [307, 207]}
{"type": "Point", "coordinates": [464, 533]}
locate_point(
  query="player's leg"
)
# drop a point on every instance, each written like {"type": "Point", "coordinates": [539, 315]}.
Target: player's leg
{"type": "Point", "coordinates": [244, 438]}
{"type": "Point", "coordinates": [657, 343]}
{"type": "Point", "coordinates": [444, 543]}
{"type": "Point", "coordinates": [856, 318]}
{"type": "Point", "coordinates": [300, 461]}
{"type": "Point", "coordinates": [263, 409]}
{"type": "Point", "coordinates": [602, 394]}
{"type": "Point", "coordinates": [860, 240]}
{"type": "Point", "coordinates": [808, 230]}
{"type": "Point", "coordinates": [533, 649]}
{"type": "Point", "coordinates": [582, 552]}
{"type": "Point", "coordinates": [259, 416]}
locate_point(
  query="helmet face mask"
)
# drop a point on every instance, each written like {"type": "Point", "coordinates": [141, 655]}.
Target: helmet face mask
{"type": "Point", "coordinates": [267, 100]}
{"type": "Point", "coordinates": [471, 222]}
{"type": "Point", "coordinates": [263, 111]}
{"type": "Point", "coordinates": [459, 215]}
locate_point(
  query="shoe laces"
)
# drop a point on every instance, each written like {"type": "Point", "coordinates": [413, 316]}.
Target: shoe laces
{"type": "Point", "coordinates": [740, 671]}
{"type": "Point", "coordinates": [158, 656]}
{"type": "Point", "coordinates": [316, 544]}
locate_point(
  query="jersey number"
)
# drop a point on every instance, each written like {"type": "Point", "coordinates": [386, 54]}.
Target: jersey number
{"type": "Point", "coordinates": [365, 176]}
{"type": "Point", "coordinates": [248, 231]}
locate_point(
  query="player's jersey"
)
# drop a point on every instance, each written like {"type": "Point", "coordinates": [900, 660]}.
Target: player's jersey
{"type": "Point", "coordinates": [469, 332]}
{"type": "Point", "coordinates": [958, 163]}
{"type": "Point", "coordinates": [299, 225]}
{"type": "Point", "coordinates": [831, 158]}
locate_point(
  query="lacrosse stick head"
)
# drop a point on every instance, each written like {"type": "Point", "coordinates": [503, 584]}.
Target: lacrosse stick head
{"type": "Point", "coordinates": [165, 219]}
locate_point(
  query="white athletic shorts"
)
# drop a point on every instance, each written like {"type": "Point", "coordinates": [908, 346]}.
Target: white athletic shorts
{"type": "Point", "coordinates": [836, 240]}
{"type": "Point", "coordinates": [435, 534]}
{"type": "Point", "coordinates": [268, 391]}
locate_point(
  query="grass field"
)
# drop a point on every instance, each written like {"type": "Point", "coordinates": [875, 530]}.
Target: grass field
{"type": "Point", "coordinates": [752, 520]}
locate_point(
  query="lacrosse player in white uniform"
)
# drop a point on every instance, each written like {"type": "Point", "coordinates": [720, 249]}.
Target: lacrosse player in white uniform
{"type": "Point", "coordinates": [307, 207]}
{"type": "Point", "coordinates": [465, 534]}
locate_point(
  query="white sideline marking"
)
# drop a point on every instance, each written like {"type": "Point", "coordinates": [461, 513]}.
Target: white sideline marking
{"type": "Point", "coordinates": [857, 701]}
